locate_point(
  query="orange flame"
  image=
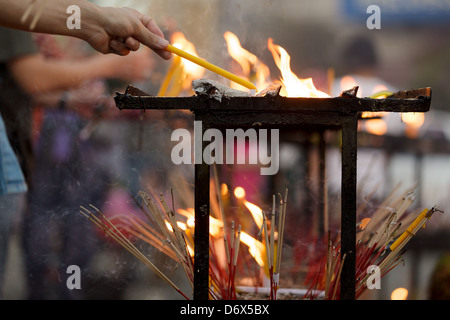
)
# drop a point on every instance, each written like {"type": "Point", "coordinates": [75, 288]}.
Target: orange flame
{"type": "Point", "coordinates": [256, 212]}
{"type": "Point", "coordinates": [251, 66]}
{"type": "Point", "coordinates": [191, 70]}
{"type": "Point", "coordinates": [363, 223]}
{"type": "Point", "coordinates": [215, 225]}
{"type": "Point", "coordinates": [255, 247]}
{"type": "Point", "coordinates": [292, 85]}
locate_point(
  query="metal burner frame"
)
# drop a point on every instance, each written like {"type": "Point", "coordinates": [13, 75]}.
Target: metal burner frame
{"type": "Point", "coordinates": [338, 113]}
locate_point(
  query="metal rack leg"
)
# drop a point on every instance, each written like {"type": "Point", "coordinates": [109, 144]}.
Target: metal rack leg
{"type": "Point", "coordinates": [201, 241]}
{"type": "Point", "coordinates": [348, 208]}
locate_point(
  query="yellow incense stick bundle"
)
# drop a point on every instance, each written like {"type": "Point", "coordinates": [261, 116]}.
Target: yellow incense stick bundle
{"type": "Point", "coordinates": [410, 230]}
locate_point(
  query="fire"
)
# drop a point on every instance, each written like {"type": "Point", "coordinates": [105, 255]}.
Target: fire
{"type": "Point", "coordinates": [223, 189]}
{"type": "Point", "coordinates": [364, 223]}
{"type": "Point", "coordinates": [251, 66]}
{"type": "Point", "coordinates": [399, 294]}
{"type": "Point", "coordinates": [255, 247]}
{"type": "Point", "coordinates": [215, 225]}
{"type": "Point", "coordinates": [256, 212]}
{"type": "Point", "coordinates": [191, 70]}
{"type": "Point", "coordinates": [292, 85]}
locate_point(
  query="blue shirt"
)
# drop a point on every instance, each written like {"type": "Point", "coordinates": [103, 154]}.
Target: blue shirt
{"type": "Point", "coordinates": [11, 176]}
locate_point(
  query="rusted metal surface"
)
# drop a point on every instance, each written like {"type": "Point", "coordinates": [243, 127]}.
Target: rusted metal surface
{"type": "Point", "coordinates": [201, 232]}
{"type": "Point", "coordinates": [278, 104]}
{"type": "Point", "coordinates": [285, 113]}
{"type": "Point", "coordinates": [348, 208]}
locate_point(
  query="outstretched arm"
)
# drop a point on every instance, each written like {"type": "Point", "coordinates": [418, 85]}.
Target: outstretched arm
{"type": "Point", "coordinates": [106, 29]}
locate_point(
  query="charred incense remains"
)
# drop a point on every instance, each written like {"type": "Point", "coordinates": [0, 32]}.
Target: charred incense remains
{"type": "Point", "coordinates": [220, 108]}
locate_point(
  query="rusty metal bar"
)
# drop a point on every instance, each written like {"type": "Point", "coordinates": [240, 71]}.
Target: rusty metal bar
{"type": "Point", "coordinates": [277, 104]}
{"type": "Point", "coordinates": [348, 208]}
{"type": "Point", "coordinates": [201, 232]}
{"type": "Point", "coordinates": [323, 208]}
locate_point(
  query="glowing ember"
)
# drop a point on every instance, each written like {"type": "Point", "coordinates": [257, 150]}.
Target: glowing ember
{"type": "Point", "coordinates": [399, 294]}
{"type": "Point", "coordinates": [292, 85]}
{"type": "Point", "coordinates": [364, 223]}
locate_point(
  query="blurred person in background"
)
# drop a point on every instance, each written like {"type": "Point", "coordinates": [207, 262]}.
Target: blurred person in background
{"type": "Point", "coordinates": [107, 30]}
{"type": "Point", "coordinates": [59, 167]}
{"type": "Point", "coordinates": [358, 64]}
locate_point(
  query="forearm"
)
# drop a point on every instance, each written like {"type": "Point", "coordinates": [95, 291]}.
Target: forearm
{"type": "Point", "coordinates": [52, 16]}
{"type": "Point", "coordinates": [36, 74]}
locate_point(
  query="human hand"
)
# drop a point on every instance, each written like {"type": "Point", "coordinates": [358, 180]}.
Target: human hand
{"type": "Point", "coordinates": [124, 29]}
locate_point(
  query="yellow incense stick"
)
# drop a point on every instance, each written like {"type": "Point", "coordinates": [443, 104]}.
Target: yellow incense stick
{"type": "Point", "coordinates": [211, 67]}
{"type": "Point", "coordinates": [410, 230]}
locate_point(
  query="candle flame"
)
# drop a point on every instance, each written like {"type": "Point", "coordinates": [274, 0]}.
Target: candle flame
{"type": "Point", "coordinates": [292, 85]}
{"type": "Point", "coordinates": [399, 294]}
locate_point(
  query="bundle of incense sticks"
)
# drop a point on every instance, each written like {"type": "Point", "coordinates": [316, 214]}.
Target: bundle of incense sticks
{"type": "Point", "coordinates": [105, 224]}
{"type": "Point", "coordinates": [274, 260]}
{"type": "Point", "coordinates": [162, 231]}
{"type": "Point", "coordinates": [380, 242]}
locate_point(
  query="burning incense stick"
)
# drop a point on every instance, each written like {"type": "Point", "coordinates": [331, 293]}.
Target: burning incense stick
{"type": "Point", "coordinates": [205, 64]}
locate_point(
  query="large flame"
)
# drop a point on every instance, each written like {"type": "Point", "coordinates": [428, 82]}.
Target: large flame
{"type": "Point", "coordinates": [251, 66]}
{"type": "Point", "coordinates": [191, 70]}
{"type": "Point", "coordinates": [292, 85]}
